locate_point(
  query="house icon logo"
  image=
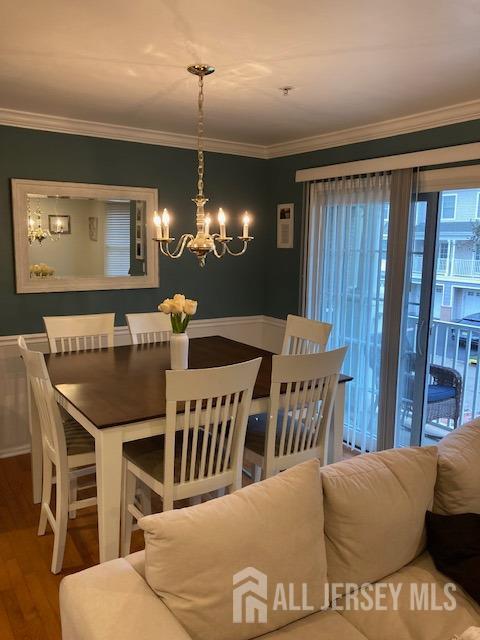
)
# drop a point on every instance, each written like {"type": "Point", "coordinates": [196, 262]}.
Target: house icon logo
{"type": "Point", "coordinates": [249, 596]}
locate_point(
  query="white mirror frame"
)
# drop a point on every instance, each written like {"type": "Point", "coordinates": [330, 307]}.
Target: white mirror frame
{"type": "Point", "coordinates": [24, 284]}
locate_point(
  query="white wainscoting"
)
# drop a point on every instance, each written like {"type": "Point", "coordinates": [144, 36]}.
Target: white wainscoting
{"type": "Point", "coordinates": [260, 331]}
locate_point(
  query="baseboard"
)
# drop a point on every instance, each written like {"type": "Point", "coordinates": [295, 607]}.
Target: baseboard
{"type": "Point", "coordinates": [15, 451]}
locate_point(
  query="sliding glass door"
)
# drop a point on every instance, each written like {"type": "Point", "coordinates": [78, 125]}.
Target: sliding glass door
{"type": "Point", "coordinates": [439, 373]}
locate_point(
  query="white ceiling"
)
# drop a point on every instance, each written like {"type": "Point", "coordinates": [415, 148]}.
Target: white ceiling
{"type": "Point", "coordinates": [352, 62]}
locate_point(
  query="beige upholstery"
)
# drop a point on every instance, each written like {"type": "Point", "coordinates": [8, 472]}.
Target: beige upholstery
{"type": "Point", "coordinates": [375, 512]}
{"type": "Point", "coordinates": [458, 482]}
{"type": "Point", "coordinates": [112, 601]}
{"type": "Point", "coordinates": [416, 625]}
{"type": "Point", "coordinates": [323, 625]}
{"type": "Point", "coordinates": [192, 554]}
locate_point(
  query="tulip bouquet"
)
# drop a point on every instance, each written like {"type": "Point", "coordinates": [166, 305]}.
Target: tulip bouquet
{"type": "Point", "coordinates": [180, 310]}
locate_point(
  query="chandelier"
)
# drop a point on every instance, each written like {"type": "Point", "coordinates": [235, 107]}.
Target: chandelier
{"type": "Point", "coordinates": [36, 233]}
{"type": "Point", "coordinates": [203, 242]}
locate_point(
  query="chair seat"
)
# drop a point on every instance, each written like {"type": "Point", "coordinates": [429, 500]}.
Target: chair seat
{"type": "Point", "coordinates": [148, 455]}
{"type": "Point", "coordinates": [256, 430]}
{"type": "Point", "coordinates": [78, 440]}
{"type": "Point", "coordinates": [438, 393]}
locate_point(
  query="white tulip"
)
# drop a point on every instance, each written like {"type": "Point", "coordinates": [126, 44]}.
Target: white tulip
{"type": "Point", "coordinates": [179, 298]}
{"type": "Point", "coordinates": [176, 306]}
{"type": "Point", "coordinates": [166, 306]}
{"type": "Point", "coordinates": [190, 307]}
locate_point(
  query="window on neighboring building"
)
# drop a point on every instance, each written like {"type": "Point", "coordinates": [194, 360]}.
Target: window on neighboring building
{"type": "Point", "coordinates": [478, 205]}
{"type": "Point", "coordinates": [449, 205]}
{"type": "Point", "coordinates": [117, 239]}
{"type": "Point", "coordinates": [443, 250]}
{"type": "Point", "coordinates": [442, 257]}
{"type": "Point", "coordinates": [476, 251]}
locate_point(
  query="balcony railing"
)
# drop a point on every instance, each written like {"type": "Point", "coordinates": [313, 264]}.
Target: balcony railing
{"type": "Point", "coordinates": [457, 346]}
{"type": "Point", "coordinates": [457, 268]}
{"type": "Point", "coordinates": [466, 268]}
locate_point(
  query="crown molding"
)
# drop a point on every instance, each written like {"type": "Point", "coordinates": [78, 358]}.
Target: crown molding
{"type": "Point", "coordinates": [385, 129]}
{"type": "Point", "coordinates": [375, 131]}
{"type": "Point", "coordinates": [59, 124]}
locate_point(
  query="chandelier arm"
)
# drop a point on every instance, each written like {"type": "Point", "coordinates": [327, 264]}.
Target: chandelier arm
{"type": "Point", "coordinates": [179, 249]}
{"type": "Point", "coordinates": [238, 253]}
{"type": "Point", "coordinates": [215, 237]}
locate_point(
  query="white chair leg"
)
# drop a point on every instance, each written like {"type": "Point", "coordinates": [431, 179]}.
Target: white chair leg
{"type": "Point", "coordinates": [129, 489]}
{"type": "Point", "coordinates": [61, 521]}
{"type": "Point", "coordinates": [194, 500]}
{"type": "Point", "coordinates": [220, 492]}
{"type": "Point", "coordinates": [73, 495]}
{"type": "Point", "coordinates": [46, 495]}
{"type": "Point", "coordinates": [167, 502]}
{"type": "Point", "coordinates": [257, 473]}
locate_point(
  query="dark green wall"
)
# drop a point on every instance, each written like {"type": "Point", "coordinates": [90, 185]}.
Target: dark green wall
{"type": "Point", "coordinates": [283, 265]}
{"type": "Point", "coordinates": [265, 281]}
{"type": "Point", "coordinates": [228, 287]}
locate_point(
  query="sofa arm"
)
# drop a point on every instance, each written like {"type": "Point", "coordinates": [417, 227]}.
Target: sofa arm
{"type": "Point", "coordinates": [111, 601]}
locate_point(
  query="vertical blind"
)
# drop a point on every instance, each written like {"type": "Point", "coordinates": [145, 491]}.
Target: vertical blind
{"type": "Point", "coordinates": [345, 283]}
{"type": "Point", "coordinates": [117, 239]}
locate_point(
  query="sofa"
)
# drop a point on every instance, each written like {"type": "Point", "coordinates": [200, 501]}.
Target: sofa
{"type": "Point", "coordinates": [356, 524]}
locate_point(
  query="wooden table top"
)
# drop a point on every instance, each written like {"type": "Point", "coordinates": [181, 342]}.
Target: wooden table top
{"type": "Point", "coordinates": [126, 384]}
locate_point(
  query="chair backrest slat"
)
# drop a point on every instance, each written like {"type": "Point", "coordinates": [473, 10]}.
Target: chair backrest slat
{"type": "Point", "coordinates": [79, 333]}
{"type": "Point", "coordinates": [303, 336]}
{"type": "Point", "coordinates": [215, 404]}
{"type": "Point", "coordinates": [147, 328]}
{"type": "Point", "coordinates": [301, 402]}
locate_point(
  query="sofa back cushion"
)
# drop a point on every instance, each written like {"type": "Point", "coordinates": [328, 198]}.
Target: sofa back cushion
{"type": "Point", "coordinates": [375, 507]}
{"type": "Point", "coordinates": [274, 527]}
{"type": "Point", "coordinates": [458, 480]}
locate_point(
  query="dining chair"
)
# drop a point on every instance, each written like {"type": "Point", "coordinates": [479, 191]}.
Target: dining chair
{"type": "Point", "coordinates": [302, 394]}
{"type": "Point", "coordinates": [65, 446]}
{"type": "Point", "coordinates": [304, 336]}
{"type": "Point", "coordinates": [79, 333]}
{"type": "Point", "coordinates": [202, 449]}
{"type": "Point", "coordinates": [146, 328]}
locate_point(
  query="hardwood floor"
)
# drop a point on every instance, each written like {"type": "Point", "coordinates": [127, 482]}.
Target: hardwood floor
{"type": "Point", "coordinates": [29, 607]}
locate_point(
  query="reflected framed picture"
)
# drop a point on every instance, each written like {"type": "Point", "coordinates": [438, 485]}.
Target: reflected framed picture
{"type": "Point", "coordinates": [59, 224]}
{"type": "Point", "coordinates": [285, 226]}
{"type": "Point", "coordinates": [93, 228]}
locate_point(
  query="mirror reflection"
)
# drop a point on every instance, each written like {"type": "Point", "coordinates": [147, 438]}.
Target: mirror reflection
{"type": "Point", "coordinates": [85, 237]}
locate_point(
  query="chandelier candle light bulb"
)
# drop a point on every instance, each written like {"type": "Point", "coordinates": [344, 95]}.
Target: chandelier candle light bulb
{"type": "Point", "coordinates": [221, 221]}
{"type": "Point", "coordinates": [208, 222]}
{"type": "Point", "coordinates": [157, 221]}
{"type": "Point", "coordinates": [166, 224]}
{"type": "Point", "coordinates": [246, 221]}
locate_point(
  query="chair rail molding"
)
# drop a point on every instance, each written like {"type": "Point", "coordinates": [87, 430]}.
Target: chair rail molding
{"type": "Point", "coordinates": [260, 331]}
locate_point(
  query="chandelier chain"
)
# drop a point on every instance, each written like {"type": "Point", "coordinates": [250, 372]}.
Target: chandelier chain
{"type": "Point", "coordinates": [200, 130]}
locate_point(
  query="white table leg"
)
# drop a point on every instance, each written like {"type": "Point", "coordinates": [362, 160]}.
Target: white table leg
{"type": "Point", "coordinates": [108, 455]}
{"type": "Point", "coordinates": [335, 442]}
{"type": "Point", "coordinates": [36, 451]}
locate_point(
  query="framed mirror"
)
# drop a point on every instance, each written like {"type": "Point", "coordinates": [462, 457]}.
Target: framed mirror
{"type": "Point", "coordinates": [80, 237]}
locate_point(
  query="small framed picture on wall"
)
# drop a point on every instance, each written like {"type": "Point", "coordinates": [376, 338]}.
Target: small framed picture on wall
{"type": "Point", "coordinates": [285, 226]}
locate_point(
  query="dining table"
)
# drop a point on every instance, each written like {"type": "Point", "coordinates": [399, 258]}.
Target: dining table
{"type": "Point", "coordinates": [118, 395]}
